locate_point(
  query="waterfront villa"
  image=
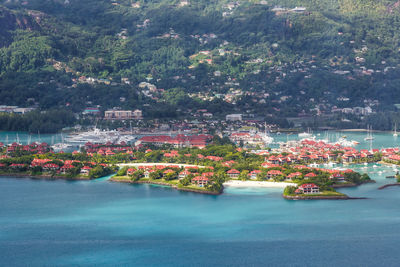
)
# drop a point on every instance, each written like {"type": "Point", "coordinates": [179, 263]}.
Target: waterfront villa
{"type": "Point", "coordinates": [66, 167]}
{"type": "Point", "coordinates": [50, 167]}
{"type": "Point", "coordinates": [273, 173]}
{"type": "Point", "coordinates": [307, 189]}
{"type": "Point", "coordinates": [201, 181]}
{"type": "Point", "coordinates": [338, 177]}
{"type": "Point", "coordinates": [253, 174]}
{"type": "Point", "coordinates": [130, 171]}
{"type": "Point", "coordinates": [293, 175]}
{"type": "Point", "coordinates": [85, 170]}
{"type": "Point", "coordinates": [183, 174]}
{"type": "Point", "coordinates": [234, 174]}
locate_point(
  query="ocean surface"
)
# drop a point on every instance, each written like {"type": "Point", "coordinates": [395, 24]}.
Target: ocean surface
{"type": "Point", "coordinates": [100, 223]}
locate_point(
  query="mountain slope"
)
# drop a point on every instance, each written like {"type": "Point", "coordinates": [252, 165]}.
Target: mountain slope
{"type": "Point", "coordinates": [232, 53]}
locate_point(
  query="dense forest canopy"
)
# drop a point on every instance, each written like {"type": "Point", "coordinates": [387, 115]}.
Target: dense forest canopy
{"type": "Point", "coordinates": [275, 57]}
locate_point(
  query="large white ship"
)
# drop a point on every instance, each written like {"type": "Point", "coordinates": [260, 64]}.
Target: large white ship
{"type": "Point", "coordinates": [99, 136]}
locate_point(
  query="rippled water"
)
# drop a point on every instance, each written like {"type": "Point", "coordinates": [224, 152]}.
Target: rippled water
{"type": "Point", "coordinates": [103, 223]}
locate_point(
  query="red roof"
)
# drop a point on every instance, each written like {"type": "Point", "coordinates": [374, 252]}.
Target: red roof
{"type": "Point", "coordinates": [311, 185]}
{"type": "Point", "coordinates": [311, 174]}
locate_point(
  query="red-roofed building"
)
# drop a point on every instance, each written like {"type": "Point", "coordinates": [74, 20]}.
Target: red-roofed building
{"type": "Point", "coordinates": [65, 168]}
{"type": "Point", "coordinates": [294, 175]}
{"type": "Point", "coordinates": [253, 174]}
{"type": "Point", "coordinates": [199, 141]}
{"type": "Point", "coordinates": [308, 189]}
{"type": "Point", "coordinates": [338, 177]}
{"type": "Point", "coordinates": [233, 173]}
{"type": "Point", "coordinates": [310, 175]}
{"type": "Point", "coordinates": [85, 170]}
{"type": "Point", "coordinates": [273, 174]}
{"type": "Point", "coordinates": [50, 167]}
{"type": "Point", "coordinates": [130, 171]}
{"type": "Point", "coordinates": [201, 181]}
{"type": "Point", "coordinates": [183, 174]}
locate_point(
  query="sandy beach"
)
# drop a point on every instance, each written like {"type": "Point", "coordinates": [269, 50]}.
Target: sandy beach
{"type": "Point", "coordinates": [237, 183]}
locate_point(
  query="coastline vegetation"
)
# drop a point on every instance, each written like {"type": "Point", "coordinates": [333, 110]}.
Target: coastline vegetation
{"type": "Point", "coordinates": [214, 164]}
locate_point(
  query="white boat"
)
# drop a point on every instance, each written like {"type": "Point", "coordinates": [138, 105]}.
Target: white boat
{"type": "Point", "coordinates": [344, 142]}
{"type": "Point", "coordinates": [61, 147]}
{"type": "Point", "coordinates": [98, 136]}
{"type": "Point", "coordinates": [369, 135]}
{"type": "Point", "coordinates": [266, 138]}
{"type": "Point", "coordinates": [395, 130]}
{"type": "Point", "coordinates": [305, 135]}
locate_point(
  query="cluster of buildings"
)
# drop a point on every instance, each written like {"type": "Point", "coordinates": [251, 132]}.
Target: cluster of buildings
{"type": "Point", "coordinates": [123, 114]}
{"type": "Point", "coordinates": [316, 151]}
{"type": "Point", "coordinates": [107, 149]}
{"type": "Point", "coordinates": [15, 109]}
{"type": "Point", "coordinates": [36, 148]}
{"type": "Point", "coordinates": [247, 139]}
{"type": "Point", "coordinates": [275, 171]}
{"type": "Point", "coordinates": [199, 178]}
{"type": "Point", "coordinates": [179, 141]}
{"type": "Point", "coordinates": [49, 165]}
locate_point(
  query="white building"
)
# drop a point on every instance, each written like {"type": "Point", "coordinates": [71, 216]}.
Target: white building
{"type": "Point", "coordinates": [234, 117]}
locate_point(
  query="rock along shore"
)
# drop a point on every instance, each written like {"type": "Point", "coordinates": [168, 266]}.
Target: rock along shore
{"type": "Point", "coordinates": [388, 185]}
{"type": "Point", "coordinates": [321, 197]}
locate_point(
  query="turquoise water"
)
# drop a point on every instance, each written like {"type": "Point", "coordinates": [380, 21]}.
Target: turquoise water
{"type": "Point", "coordinates": [103, 223]}
{"type": "Point", "coordinates": [24, 137]}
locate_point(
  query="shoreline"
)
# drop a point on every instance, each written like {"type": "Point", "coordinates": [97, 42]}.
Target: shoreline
{"type": "Point", "coordinates": [258, 184]}
{"type": "Point", "coordinates": [388, 185]}
{"type": "Point", "coordinates": [44, 177]}
{"type": "Point", "coordinates": [166, 184]}
{"type": "Point", "coordinates": [352, 184]}
{"type": "Point", "coordinates": [310, 197]}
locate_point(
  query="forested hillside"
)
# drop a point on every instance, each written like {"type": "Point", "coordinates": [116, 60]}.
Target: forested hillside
{"type": "Point", "coordinates": [277, 59]}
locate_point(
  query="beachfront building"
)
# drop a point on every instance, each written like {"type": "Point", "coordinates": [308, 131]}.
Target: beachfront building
{"type": "Point", "coordinates": [50, 167]}
{"type": "Point", "coordinates": [233, 174]}
{"type": "Point", "coordinates": [183, 174]}
{"type": "Point", "coordinates": [273, 174]}
{"type": "Point", "coordinates": [200, 181]}
{"type": "Point", "coordinates": [130, 171]}
{"type": "Point", "coordinates": [85, 170]}
{"type": "Point", "coordinates": [293, 175]}
{"type": "Point", "coordinates": [253, 174]}
{"type": "Point", "coordinates": [66, 167]}
{"type": "Point", "coordinates": [308, 189]}
{"type": "Point", "coordinates": [339, 177]}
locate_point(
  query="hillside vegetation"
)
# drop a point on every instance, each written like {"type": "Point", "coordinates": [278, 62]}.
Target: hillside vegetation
{"type": "Point", "coordinates": [244, 56]}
